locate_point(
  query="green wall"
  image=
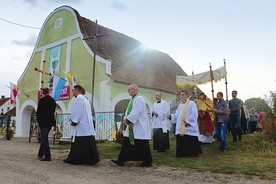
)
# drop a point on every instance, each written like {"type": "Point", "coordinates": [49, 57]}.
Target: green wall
{"type": "Point", "coordinates": [51, 34]}
{"type": "Point", "coordinates": [30, 81]}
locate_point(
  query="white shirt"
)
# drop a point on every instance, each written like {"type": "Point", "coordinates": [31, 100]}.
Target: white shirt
{"type": "Point", "coordinates": [191, 119]}
{"type": "Point", "coordinates": [81, 114]}
{"type": "Point", "coordinates": [163, 110]}
{"type": "Point", "coordinates": [140, 119]}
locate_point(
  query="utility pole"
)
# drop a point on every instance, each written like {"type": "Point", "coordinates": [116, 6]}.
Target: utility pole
{"type": "Point", "coordinates": [95, 36]}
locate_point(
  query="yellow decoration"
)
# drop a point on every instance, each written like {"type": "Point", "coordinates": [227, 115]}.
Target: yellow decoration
{"type": "Point", "coordinates": [114, 134]}
{"type": "Point", "coordinates": [104, 134]}
{"type": "Point", "coordinates": [68, 76]}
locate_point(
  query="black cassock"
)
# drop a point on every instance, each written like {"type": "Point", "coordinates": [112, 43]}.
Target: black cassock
{"type": "Point", "coordinates": [160, 140]}
{"type": "Point", "coordinates": [83, 151]}
{"type": "Point", "coordinates": [187, 146]}
{"type": "Point", "coordinates": [139, 151]}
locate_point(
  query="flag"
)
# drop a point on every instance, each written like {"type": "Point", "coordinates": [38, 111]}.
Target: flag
{"type": "Point", "coordinates": [70, 78]}
{"type": "Point", "coordinates": [13, 92]}
{"type": "Point", "coordinates": [58, 84]}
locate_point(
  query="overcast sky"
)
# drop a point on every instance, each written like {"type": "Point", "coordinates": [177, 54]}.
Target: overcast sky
{"type": "Point", "coordinates": [194, 33]}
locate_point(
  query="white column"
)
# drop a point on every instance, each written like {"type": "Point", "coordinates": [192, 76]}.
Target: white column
{"type": "Point", "coordinates": [68, 56]}
{"type": "Point", "coordinates": [105, 96]}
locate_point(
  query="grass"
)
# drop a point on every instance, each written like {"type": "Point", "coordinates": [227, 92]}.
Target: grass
{"type": "Point", "coordinates": [253, 156]}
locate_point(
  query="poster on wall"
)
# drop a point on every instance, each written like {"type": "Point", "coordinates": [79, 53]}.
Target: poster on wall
{"type": "Point", "coordinates": [54, 63]}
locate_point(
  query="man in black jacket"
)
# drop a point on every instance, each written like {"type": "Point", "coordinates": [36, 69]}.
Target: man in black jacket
{"type": "Point", "coordinates": [45, 115]}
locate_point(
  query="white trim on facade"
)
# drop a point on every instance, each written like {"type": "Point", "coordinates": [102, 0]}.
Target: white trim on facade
{"type": "Point", "coordinates": [118, 98]}
{"type": "Point", "coordinates": [68, 55]}
{"type": "Point", "coordinates": [24, 117]}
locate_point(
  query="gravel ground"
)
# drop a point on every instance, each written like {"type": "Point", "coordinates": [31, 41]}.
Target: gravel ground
{"type": "Point", "coordinates": [19, 164]}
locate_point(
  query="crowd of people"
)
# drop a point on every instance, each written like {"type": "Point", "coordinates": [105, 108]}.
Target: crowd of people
{"type": "Point", "coordinates": [192, 121]}
{"type": "Point", "coordinates": [231, 117]}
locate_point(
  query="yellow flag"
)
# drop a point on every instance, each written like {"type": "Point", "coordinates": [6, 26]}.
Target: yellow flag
{"type": "Point", "coordinates": [68, 76]}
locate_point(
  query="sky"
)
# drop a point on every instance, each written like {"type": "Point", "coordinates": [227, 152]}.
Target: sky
{"type": "Point", "coordinates": [195, 33]}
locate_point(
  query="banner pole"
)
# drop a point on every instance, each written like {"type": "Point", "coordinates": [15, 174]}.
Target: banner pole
{"type": "Point", "coordinates": [226, 89]}
{"type": "Point", "coordinates": [212, 78]}
{"type": "Point", "coordinates": [194, 87]}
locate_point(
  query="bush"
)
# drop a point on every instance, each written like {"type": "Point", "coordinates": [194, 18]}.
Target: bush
{"type": "Point", "coordinates": [270, 126]}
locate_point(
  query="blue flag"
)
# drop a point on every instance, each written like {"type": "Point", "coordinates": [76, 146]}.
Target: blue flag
{"type": "Point", "coordinates": [58, 84]}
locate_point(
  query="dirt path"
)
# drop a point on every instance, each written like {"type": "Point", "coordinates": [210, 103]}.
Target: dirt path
{"type": "Point", "coordinates": [18, 164]}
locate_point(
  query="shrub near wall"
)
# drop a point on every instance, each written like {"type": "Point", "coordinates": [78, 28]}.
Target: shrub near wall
{"type": "Point", "coordinates": [270, 126]}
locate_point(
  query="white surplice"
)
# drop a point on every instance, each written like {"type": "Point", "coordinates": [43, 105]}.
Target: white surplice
{"type": "Point", "coordinates": [163, 110]}
{"type": "Point", "coordinates": [191, 119]}
{"type": "Point", "coordinates": [140, 118]}
{"type": "Point", "coordinates": [81, 114]}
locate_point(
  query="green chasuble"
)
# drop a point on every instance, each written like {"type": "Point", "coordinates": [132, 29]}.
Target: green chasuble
{"type": "Point", "coordinates": [130, 126]}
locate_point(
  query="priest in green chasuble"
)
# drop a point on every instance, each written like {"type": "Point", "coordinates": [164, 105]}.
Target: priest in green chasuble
{"type": "Point", "coordinates": [135, 145]}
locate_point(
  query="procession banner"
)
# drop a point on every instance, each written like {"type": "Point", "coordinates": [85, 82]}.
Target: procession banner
{"type": "Point", "coordinates": [201, 78]}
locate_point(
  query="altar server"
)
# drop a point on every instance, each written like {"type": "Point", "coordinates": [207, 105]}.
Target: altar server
{"type": "Point", "coordinates": [160, 123]}
{"type": "Point", "coordinates": [83, 146]}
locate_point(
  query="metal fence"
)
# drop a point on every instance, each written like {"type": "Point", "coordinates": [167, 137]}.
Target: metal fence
{"type": "Point", "coordinates": [106, 124]}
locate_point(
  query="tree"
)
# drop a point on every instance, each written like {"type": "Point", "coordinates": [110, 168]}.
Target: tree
{"type": "Point", "coordinates": [258, 104]}
{"type": "Point", "coordinates": [273, 96]}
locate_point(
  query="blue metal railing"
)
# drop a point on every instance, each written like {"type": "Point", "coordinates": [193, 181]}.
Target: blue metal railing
{"type": "Point", "coordinates": [105, 125]}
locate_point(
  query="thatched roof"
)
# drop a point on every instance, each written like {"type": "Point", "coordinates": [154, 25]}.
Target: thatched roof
{"type": "Point", "coordinates": [131, 62]}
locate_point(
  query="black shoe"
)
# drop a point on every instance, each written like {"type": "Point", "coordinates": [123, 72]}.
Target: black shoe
{"type": "Point", "coordinates": [39, 156]}
{"type": "Point", "coordinates": [118, 162]}
{"type": "Point", "coordinates": [45, 159]}
{"type": "Point", "coordinates": [145, 165]}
